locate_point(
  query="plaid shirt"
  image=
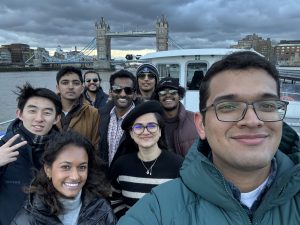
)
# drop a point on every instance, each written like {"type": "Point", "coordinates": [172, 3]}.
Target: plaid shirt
{"type": "Point", "coordinates": [115, 132]}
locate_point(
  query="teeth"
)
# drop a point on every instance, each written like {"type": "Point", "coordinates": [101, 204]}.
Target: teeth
{"type": "Point", "coordinates": [71, 184]}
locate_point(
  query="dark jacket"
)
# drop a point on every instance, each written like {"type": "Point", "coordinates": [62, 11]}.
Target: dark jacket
{"type": "Point", "coordinates": [202, 196]}
{"type": "Point", "coordinates": [15, 175]}
{"type": "Point", "coordinates": [185, 134]}
{"type": "Point", "coordinates": [94, 211]}
{"type": "Point", "coordinates": [103, 143]}
{"type": "Point", "coordinates": [100, 101]}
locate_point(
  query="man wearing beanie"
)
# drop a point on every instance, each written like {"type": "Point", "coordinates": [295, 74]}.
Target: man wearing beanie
{"type": "Point", "coordinates": [180, 127]}
{"type": "Point", "coordinates": [147, 78]}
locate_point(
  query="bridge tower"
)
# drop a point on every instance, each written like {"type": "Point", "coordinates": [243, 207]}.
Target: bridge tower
{"type": "Point", "coordinates": [162, 33]}
{"type": "Point", "coordinates": [103, 43]}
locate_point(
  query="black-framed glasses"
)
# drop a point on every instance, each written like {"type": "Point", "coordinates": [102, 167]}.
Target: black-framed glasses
{"type": "Point", "coordinates": [143, 76]}
{"type": "Point", "coordinates": [139, 128]}
{"type": "Point", "coordinates": [234, 111]}
{"type": "Point", "coordinates": [95, 80]}
{"type": "Point", "coordinates": [117, 90]}
{"type": "Point", "coordinates": [167, 91]}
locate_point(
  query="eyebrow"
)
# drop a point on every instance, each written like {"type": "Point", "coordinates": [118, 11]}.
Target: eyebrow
{"type": "Point", "coordinates": [36, 107]}
{"type": "Point", "coordinates": [235, 97]}
{"type": "Point", "coordinates": [83, 163]}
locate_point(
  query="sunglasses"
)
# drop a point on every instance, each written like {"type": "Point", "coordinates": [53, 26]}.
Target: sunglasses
{"type": "Point", "coordinates": [149, 75]}
{"type": "Point", "coordinates": [95, 80]}
{"type": "Point", "coordinates": [168, 91]}
{"type": "Point", "coordinates": [118, 90]}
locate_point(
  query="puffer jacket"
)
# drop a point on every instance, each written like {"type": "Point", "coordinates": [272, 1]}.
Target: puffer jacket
{"type": "Point", "coordinates": [94, 211]}
{"type": "Point", "coordinates": [185, 134]}
{"type": "Point", "coordinates": [202, 196]}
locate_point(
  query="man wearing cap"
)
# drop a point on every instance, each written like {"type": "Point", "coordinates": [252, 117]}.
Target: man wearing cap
{"type": "Point", "coordinates": [180, 127]}
{"type": "Point", "coordinates": [147, 78]}
{"type": "Point", "coordinates": [93, 91]}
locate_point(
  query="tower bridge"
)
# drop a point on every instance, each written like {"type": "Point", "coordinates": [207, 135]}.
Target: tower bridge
{"type": "Point", "coordinates": [102, 44]}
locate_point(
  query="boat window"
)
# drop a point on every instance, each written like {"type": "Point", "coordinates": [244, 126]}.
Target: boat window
{"type": "Point", "coordinates": [168, 70]}
{"type": "Point", "coordinates": [195, 74]}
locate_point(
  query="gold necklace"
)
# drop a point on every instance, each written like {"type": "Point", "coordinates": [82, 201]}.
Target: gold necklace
{"type": "Point", "coordinates": [149, 170]}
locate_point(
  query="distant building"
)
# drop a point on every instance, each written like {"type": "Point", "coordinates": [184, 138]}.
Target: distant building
{"type": "Point", "coordinates": [5, 56]}
{"type": "Point", "coordinates": [257, 43]}
{"type": "Point", "coordinates": [287, 53]}
{"type": "Point", "coordinates": [20, 53]}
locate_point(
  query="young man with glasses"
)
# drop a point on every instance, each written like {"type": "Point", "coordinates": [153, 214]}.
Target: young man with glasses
{"type": "Point", "coordinates": [93, 91]}
{"type": "Point", "coordinates": [147, 78]}
{"type": "Point", "coordinates": [180, 128]}
{"type": "Point", "coordinates": [123, 95]}
{"type": "Point", "coordinates": [246, 169]}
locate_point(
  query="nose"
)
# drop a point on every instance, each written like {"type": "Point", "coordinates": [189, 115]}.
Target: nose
{"type": "Point", "coordinates": [39, 116]}
{"type": "Point", "coordinates": [122, 93]}
{"type": "Point", "coordinates": [250, 118]}
{"type": "Point", "coordinates": [74, 175]}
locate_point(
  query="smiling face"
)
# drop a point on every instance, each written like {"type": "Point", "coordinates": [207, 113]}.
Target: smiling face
{"type": "Point", "coordinates": [70, 87]}
{"type": "Point", "coordinates": [170, 100]}
{"type": "Point", "coordinates": [146, 82]}
{"type": "Point", "coordinates": [69, 171]}
{"type": "Point", "coordinates": [249, 144]}
{"type": "Point", "coordinates": [146, 139]}
{"type": "Point", "coordinates": [122, 100]}
{"type": "Point", "coordinates": [92, 82]}
{"type": "Point", "coordinates": [38, 115]}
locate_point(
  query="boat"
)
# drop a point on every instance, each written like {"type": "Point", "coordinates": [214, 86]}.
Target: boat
{"type": "Point", "coordinates": [190, 65]}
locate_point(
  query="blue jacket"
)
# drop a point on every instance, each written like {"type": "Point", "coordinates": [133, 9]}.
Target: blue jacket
{"type": "Point", "coordinates": [202, 196]}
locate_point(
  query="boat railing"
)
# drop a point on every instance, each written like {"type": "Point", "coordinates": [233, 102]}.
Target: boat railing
{"type": "Point", "coordinates": [4, 125]}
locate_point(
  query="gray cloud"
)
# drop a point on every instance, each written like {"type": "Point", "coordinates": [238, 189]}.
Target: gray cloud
{"type": "Point", "coordinates": [193, 23]}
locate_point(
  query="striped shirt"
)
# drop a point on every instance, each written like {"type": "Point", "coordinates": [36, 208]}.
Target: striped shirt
{"type": "Point", "coordinates": [130, 181]}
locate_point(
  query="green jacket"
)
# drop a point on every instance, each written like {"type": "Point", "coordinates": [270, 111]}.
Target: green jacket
{"type": "Point", "coordinates": [202, 196]}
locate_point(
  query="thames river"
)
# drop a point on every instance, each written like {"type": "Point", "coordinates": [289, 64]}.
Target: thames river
{"type": "Point", "coordinates": [10, 80]}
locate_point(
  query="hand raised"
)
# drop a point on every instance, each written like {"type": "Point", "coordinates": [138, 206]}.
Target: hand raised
{"type": "Point", "coordinates": [8, 151]}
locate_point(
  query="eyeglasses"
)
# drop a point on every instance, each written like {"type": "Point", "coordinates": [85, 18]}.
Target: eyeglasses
{"type": "Point", "coordinates": [95, 80]}
{"type": "Point", "coordinates": [167, 91]}
{"type": "Point", "coordinates": [143, 76]}
{"type": "Point", "coordinates": [234, 111]}
{"type": "Point", "coordinates": [117, 90]}
{"type": "Point", "coordinates": [139, 128]}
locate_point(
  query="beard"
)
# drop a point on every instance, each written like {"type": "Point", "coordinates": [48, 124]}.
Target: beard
{"type": "Point", "coordinates": [94, 91]}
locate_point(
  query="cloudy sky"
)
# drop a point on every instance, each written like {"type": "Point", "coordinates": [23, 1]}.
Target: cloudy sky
{"type": "Point", "coordinates": [192, 23]}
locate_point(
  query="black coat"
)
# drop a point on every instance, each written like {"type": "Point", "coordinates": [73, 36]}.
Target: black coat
{"type": "Point", "coordinates": [94, 211]}
{"type": "Point", "coordinates": [15, 175]}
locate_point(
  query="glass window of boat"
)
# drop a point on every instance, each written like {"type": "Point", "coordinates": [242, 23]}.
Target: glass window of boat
{"type": "Point", "coordinates": [195, 74]}
{"type": "Point", "coordinates": [168, 70]}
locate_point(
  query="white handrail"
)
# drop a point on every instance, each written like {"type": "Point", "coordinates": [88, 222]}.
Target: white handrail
{"type": "Point", "coordinates": [7, 121]}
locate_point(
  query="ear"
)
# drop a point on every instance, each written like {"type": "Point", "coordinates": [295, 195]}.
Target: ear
{"type": "Point", "coordinates": [198, 120]}
{"type": "Point", "coordinates": [57, 119]}
{"type": "Point", "coordinates": [47, 170]}
{"type": "Point", "coordinates": [57, 89]}
{"type": "Point", "coordinates": [19, 114]}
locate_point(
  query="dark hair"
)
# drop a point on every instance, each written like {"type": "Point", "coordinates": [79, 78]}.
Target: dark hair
{"type": "Point", "coordinates": [96, 183]}
{"type": "Point", "coordinates": [162, 144]}
{"type": "Point", "coordinates": [26, 92]}
{"type": "Point", "coordinates": [91, 71]}
{"type": "Point", "coordinates": [122, 74]}
{"type": "Point", "coordinates": [236, 61]}
{"type": "Point", "coordinates": [67, 70]}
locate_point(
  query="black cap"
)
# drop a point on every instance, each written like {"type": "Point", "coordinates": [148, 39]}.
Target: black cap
{"type": "Point", "coordinates": [151, 106]}
{"type": "Point", "coordinates": [168, 82]}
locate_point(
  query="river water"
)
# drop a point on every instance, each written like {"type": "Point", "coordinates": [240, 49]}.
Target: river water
{"type": "Point", "coordinates": [10, 80]}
